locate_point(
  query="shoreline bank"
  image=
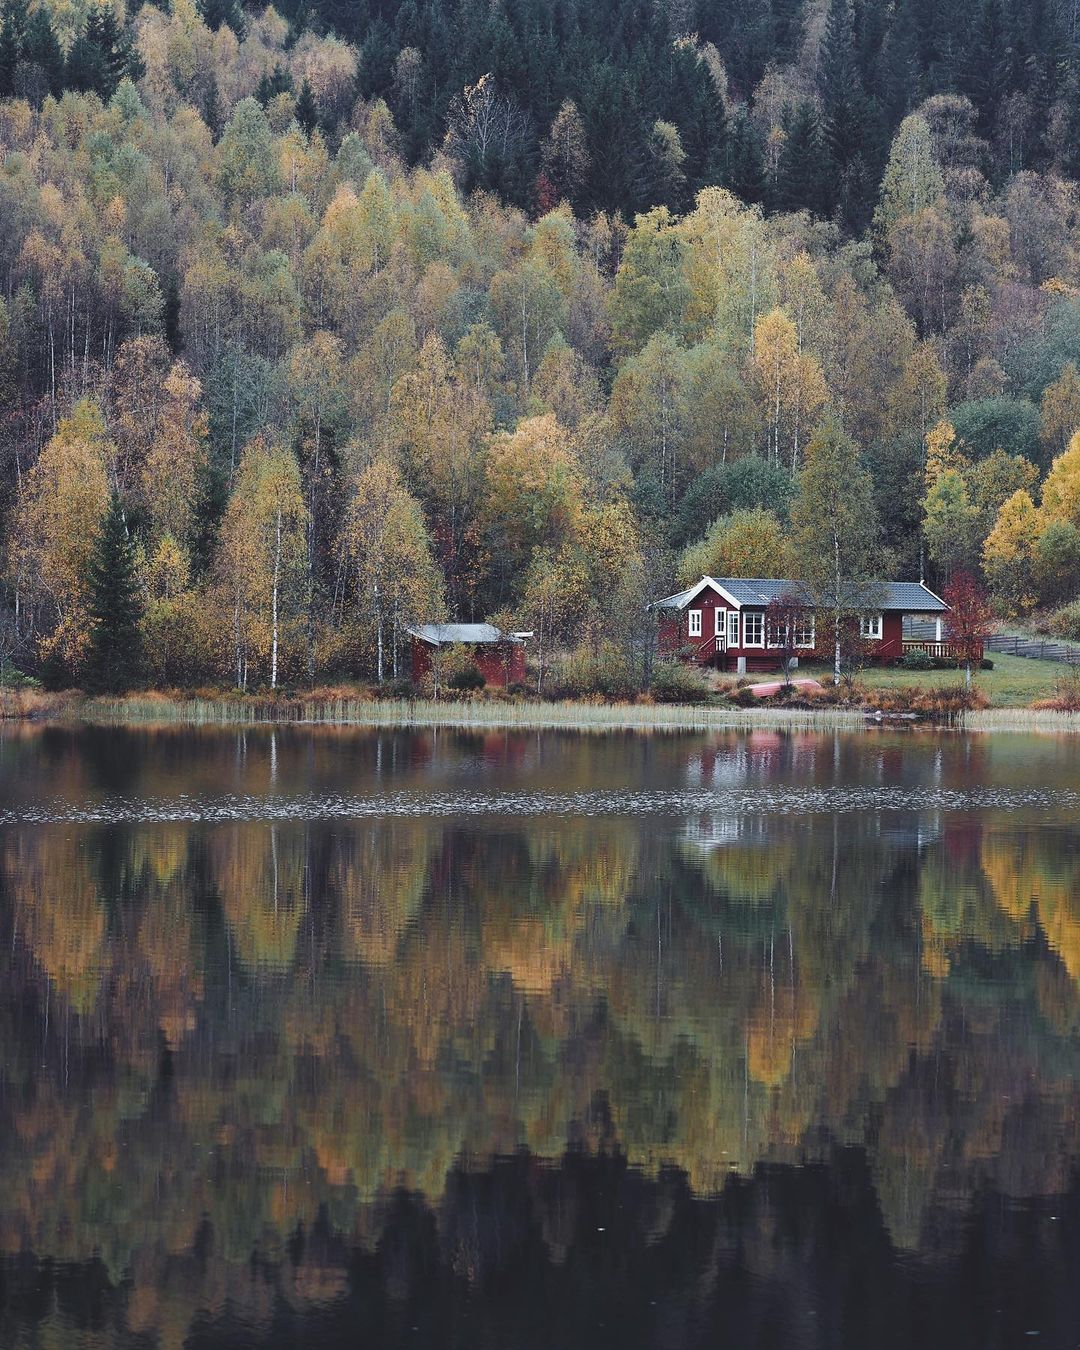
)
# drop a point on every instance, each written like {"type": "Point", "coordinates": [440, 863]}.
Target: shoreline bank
{"type": "Point", "coordinates": [144, 710]}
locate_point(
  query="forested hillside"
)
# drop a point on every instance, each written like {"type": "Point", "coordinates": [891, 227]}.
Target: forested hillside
{"type": "Point", "coordinates": [317, 323]}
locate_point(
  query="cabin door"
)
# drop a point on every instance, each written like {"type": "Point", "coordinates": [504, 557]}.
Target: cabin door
{"type": "Point", "coordinates": [720, 630]}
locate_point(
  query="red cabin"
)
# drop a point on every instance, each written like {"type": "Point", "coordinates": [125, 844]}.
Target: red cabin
{"type": "Point", "coordinates": [721, 622]}
{"type": "Point", "coordinates": [498, 656]}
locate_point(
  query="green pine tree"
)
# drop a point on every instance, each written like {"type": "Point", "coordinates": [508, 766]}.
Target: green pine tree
{"type": "Point", "coordinates": [307, 111]}
{"type": "Point", "coordinates": [744, 160]}
{"type": "Point", "coordinates": [13, 22]}
{"type": "Point", "coordinates": [115, 605]}
{"type": "Point", "coordinates": [804, 179]}
{"type": "Point", "coordinates": [42, 49]}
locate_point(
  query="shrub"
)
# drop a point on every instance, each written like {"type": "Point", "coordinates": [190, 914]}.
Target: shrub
{"type": "Point", "coordinates": [13, 678]}
{"type": "Point", "coordinates": [673, 682]}
{"type": "Point", "coordinates": [1065, 622]}
{"type": "Point", "coordinates": [603, 670]}
{"type": "Point", "coordinates": [943, 703]}
{"type": "Point", "coordinates": [447, 665]}
{"type": "Point", "coordinates": [467, 679]}
{"type": "Point", "coordinates": [917, 660]}
{"type": "Point", "coordinates": [1066, 695]}
{"type": "Point", "coordinates": [402, 688]}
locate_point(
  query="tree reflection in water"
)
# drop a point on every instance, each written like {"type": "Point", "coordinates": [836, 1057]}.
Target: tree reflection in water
{"type": "Point", "coordinates": [760, 1076]}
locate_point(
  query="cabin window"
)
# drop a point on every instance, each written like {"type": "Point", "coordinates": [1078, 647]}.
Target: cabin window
{"type": "Point", "coordinates": [718, 621]}
{"type": "Point", "coordinates": [871, 626]}
{"type": "Point", "coordinates": [754, 628]}
{"type": "Point", "coordinates": [804, 631]}
{"type": "Point", "coordinates": [695, 623]}
{"type": "Point", "coordinates": [777, 634]}
{"type": "Point", "coordinates": [733, 628]}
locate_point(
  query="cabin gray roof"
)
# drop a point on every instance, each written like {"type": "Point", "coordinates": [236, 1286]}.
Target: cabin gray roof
{"type": "Point", "coordinates": [438, 634]}
{"type": "Point", "coordinates": [910, 597]}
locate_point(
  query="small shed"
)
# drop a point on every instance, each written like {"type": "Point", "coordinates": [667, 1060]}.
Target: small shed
{"type": "Point", "coordinates": [498, 656]}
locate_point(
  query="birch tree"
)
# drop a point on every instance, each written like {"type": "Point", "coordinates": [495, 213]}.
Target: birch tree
{"type": "Point", "coordinates": [835, 532]}
{"type": "Point", "coordinates": [262, 556]}
{"type": "Point", "coordinates": [57, 520]}
{"type": "Point", "coordinates": [387, 557]}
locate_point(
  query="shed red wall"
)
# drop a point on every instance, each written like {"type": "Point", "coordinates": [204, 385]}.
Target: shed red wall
{"type": "Point", "coordinates": [500, 663]}
{"type": "Point", "coordinates": [421, 660]}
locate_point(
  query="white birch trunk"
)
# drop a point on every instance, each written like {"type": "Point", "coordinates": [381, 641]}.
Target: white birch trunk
{"type": "Point", "coordinates": [274, 601]}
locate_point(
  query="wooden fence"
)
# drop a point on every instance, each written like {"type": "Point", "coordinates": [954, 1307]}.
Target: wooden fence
{"type": "Point", "coordinates": [1034, 648]}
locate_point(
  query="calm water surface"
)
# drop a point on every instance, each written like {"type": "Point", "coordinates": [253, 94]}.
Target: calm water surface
{"type": "Point", "coordinates": [360, 1038]}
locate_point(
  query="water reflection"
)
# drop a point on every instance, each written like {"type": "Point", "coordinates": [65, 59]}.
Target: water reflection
{"type": "Point", "coordinates": [263, 1071]}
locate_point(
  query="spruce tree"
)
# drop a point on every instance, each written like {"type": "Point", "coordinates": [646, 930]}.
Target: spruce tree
{"type": "Point", "coordinates": [115, 605]}
{"type": "Point", "coordinates": [804, 179]}
{"type": "Point", "coordinates": [307, 111]}
{"type": "Point", "coordinates": [13, 23]}
{"type": "Point", "coordinates": [841, 92]}
{"type": "Point", "coordinates": [744, 162]}
{"type": "Point", "coordinates": [42, 49]}
{"type": "Point", "coordinates": [279, 81]}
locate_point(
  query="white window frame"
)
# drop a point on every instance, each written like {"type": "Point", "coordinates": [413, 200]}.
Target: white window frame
{"type": "Point", "coordinates": [805, 625]}
{"type": "Point", "coordinates": [693, 624]}
{"type": "Point", "coordinates": [733, 628]}
{"type": "Point", "coordinates": [872, 627]}
{"type": "Point", "coordinates": [719, 621]}
{"type": "Point", "coordinates": [758, 615]}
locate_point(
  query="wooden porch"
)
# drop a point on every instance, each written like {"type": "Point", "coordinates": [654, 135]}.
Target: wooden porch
{"type": "Point", "coordinates": [937, 651]}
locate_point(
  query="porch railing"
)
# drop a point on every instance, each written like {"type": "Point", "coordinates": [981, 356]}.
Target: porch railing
{"type": "Point", "coordinates": [939, 651]}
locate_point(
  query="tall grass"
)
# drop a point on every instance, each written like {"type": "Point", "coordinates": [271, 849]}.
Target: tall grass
{"type": "Point", "coordinates": [27, 701]}
{"type": "Point", "coordinates": [478, 713]}
{"type": "Point", "coordinates": [1042, 720]}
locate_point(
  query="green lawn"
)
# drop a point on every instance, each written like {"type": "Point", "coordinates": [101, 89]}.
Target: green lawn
{"type": "Point", "coordinates": [1013, 683]}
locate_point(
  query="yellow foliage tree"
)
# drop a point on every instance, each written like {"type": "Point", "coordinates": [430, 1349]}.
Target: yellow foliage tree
{"type": "Point", "coordinates": [63, 502]}
{"type": "Point", "coordinates": [792, 385]}
{"type": "Point", "coordinates": [262, 554]}
{"type": "Point", "coordinates": [1061, 489]}
{"type": "Point", "coordinates": [1009, 551]}
{"type": "Point", "coordinates": [743, 544]}
{"type": "Point", "coordinates": [386, 549]}
{"type": "Point", "coordinates": [943, 454]}
{"type": "Point", "coordinates": [1061, 409]}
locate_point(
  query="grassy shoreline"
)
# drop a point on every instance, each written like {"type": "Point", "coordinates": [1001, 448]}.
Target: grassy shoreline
{"type": "Point", "coordinates": [356, 708]}
{"type": "Point", "coordinates": [479, 714]}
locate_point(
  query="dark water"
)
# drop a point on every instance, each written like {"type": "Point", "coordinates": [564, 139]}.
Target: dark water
{"type": "Point", "coordinates": [345, 1038]}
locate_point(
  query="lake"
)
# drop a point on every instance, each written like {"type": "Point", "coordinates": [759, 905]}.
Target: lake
{"type": "Point", "coordinates": [342, 1037]}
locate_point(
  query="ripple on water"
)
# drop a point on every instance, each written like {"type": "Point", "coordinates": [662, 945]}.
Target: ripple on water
{"type": "Point", "coordinates": [736, 802]}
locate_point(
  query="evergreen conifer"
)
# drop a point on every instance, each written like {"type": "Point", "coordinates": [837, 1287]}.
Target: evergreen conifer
{"type": "Point", "coordinates": [115, 605]}
{"type": "Point", "coordinates": [307, 111]}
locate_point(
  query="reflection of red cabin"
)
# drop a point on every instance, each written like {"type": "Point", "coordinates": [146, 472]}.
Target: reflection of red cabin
{"type": "Point", "coordinates": [498, 656]}
{"type": "Point", "coordinates": [721, 621]}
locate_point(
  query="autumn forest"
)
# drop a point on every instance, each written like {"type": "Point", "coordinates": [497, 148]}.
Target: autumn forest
{"type": "Point", "coordinates": [319, 322]}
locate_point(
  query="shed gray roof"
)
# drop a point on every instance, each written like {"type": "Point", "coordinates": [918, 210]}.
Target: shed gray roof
{"type": "Point", "coordinates": [438, 634]}
{"type": "Point", "coordinates": [911, 597]}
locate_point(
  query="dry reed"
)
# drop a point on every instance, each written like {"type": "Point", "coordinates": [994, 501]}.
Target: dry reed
{"type": "Point", "coordinates": [137, 710]}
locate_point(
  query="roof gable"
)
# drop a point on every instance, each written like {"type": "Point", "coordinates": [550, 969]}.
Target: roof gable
{"type": "Point", "coordinates": [681, 599]}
